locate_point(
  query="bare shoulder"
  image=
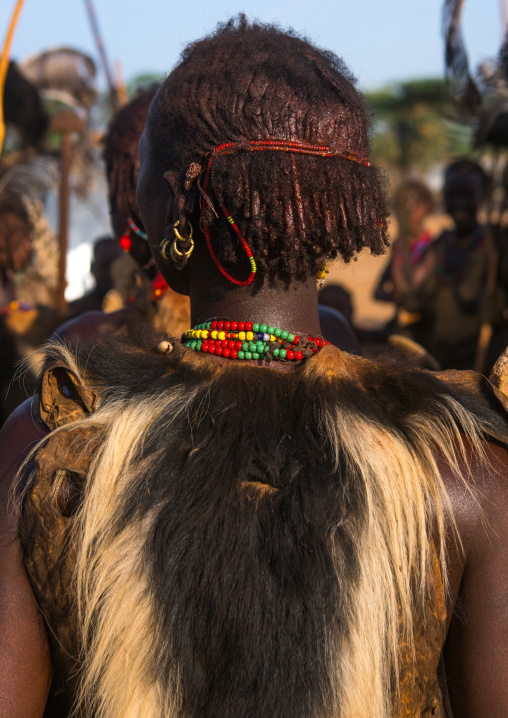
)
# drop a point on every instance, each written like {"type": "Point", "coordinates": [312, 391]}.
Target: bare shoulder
{"type": "Point", "coordinates": [479, 497]}
{"type": "Point", "coordinates": [25, 667]}
{"type": "Point", "coordinates": [475, 652]}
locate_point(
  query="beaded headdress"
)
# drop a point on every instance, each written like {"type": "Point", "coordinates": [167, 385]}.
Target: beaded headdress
{"type": "Point", "coordinates": [227, 148]}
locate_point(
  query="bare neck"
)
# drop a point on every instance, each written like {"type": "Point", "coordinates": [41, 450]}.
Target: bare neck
{"type": "Point", "coordinates": [292, 307]}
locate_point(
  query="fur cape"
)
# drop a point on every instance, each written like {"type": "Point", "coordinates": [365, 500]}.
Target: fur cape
{"type": "Point", "coordinates": [222, 540]}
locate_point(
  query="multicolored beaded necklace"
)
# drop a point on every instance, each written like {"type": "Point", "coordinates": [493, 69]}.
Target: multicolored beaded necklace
{"type": "Point", "coordinates": [250, 340]}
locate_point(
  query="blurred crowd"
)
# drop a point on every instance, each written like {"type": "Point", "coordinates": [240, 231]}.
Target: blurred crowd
{"type": "Point", "coordinates": [449, 289]}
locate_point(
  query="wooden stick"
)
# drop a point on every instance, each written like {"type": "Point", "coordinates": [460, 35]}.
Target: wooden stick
{"type": "Point", "coordinates": [64, 218]}
{"type": "Point", "coordinates": [113, 93]}
{"type": "Point", "coordinates": [4, 64]}
{"type": "Point", "coordinates": [121, 90]}
{"type": "Point", "coordinates": [504, 16]}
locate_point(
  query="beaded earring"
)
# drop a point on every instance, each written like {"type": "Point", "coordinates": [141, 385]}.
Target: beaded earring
{"type": "Point", "coordinates": [321, 275]}
{"type": "Point", "coordinates": [134, 228]}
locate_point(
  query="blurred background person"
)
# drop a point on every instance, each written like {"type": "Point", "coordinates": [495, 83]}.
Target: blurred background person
{"type": "Point", "coordinates": [105, 251]}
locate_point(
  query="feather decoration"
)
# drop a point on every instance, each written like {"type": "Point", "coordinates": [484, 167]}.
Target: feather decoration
{"type": "Point", "coordinates": [463, 85]}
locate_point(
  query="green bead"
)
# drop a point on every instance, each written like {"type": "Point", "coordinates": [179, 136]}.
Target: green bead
{"type": "Point", "coordinates": [248, 355]}
{"type": "Point", "coordinates": [259, 347]}
{"type": "Point", "coordinates": [282, 353]}
{"type": "Point", "coordinates": [255, 327]}
{"type": "Point", "coordinates": [245, 346]}
{"type": "Point", "coordinates": [291, 337]}
{"type": "Point", "coordinates": [241, 355]}
{"type": "Point", "coordinates": [208, 325]}
{"type": "Point", "coordinates": [284, 334]}
{"type": "Point", "coordinates": [263, 328]}
{"type": "Point", "coordinates": [269, 330]}
{"type": "Point", "coordinates": [253, 347]}
{"type": "Point", "coordinates": [193, 344]}
{"type": "Point", "coordinates": [277, 332]}
{"type": "Point", "coordinates": [276, 351]}
{"type": "Point", "coordinates": [255, 355]}
{"type": "Point", "coordinates": [199, 345]}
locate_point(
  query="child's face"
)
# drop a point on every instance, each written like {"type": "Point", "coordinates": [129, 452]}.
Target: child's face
{"type": "Point", "coordinates": [463, 195]}
{"type": "Point", "coordinates": [417, 213]}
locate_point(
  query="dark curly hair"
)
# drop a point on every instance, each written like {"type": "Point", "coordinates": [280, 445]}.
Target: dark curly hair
{"type": "Point", "coordinates": [121, 153]}
{"type": "Point", "coordinates": [255, 82]}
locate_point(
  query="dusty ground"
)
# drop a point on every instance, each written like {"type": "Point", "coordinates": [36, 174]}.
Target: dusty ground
{"type": "Point", "coordinates": [361, 277]}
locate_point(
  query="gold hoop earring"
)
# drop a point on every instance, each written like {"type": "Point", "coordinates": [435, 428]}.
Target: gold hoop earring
{"type": "Point", "coordinates": [178, 257]}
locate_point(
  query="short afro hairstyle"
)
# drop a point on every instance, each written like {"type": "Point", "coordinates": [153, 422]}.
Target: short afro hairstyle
{"type": "Point", "coordinates": [249, 81]}
{"type": "Point", "coordinates": [464, 167]}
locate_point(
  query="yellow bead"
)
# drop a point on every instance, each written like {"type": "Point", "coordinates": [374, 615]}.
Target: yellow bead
{"type": "Point", "coordinates": [273, 338]}
{"type": "Point", "coordinates": [204, 334]}
{"type": "Point", "coordinates": [241, 336]}
{"type": "Point", "coordinates": [222, 335]}
{"type": "Point", "coordinates": [215, 334]}
{"type": "Point", "coordinates": [249, 336]}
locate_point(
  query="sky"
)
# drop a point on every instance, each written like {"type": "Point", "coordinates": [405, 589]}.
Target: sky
{"type": "Point", "coordinates": [383, 41]}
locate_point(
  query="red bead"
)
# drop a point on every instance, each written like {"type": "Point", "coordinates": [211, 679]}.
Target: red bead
{"type": "Point", "coordinates": [297, 339]}
{"type": "Point", "coordinates": [299, 355]}
{"type": "Point", "coordinates": [231, 344]}
{"type": "Point", "coordinates": [234, 326]}
{"type": "Point", "coordinates": [234, 354]}
{"type": "Point", "coordinates": [290, 355]}
{"type": "Point", "coordinates": [218, 351]}
{"type": "Point", "coordinates": [309, 339]}
{"type": "Point", "coordinates": [248, 326]}
{"type": "Point", "coordinates": [227, 326]}
{"type": "Point", "coordinates": [226, 353]}
{"type": "Point", "coordinates": [318, 342]}
{"type": "Point", "coordinates": [224, 343]}
{"type": "Point", "coordinates": [220, 325]}
{"type": "Point", "coordinates": [204, 347]}
{"type": "Point", "coordinates": [214, 325]}
{"type": "Point", "coordinates": [241, 326]}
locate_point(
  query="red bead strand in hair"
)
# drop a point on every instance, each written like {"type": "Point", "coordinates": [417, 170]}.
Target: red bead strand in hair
{"type": "Point", "coordinates": [208, 239]}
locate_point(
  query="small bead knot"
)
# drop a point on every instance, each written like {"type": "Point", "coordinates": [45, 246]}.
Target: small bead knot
{"type": "Point", "coordinates": [193, 172]}
{"type": "Point", "coordinates": [165, 347]}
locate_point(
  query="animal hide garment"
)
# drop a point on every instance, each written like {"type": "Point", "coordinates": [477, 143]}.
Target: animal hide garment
{"type": "Point", "coordinates": [215, 539]}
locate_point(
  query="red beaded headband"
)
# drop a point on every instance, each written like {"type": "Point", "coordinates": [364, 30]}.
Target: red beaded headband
{"type": "Point", "coordinates": [301, 148]}
{"type": "Point", "coordinates": [256, 146]}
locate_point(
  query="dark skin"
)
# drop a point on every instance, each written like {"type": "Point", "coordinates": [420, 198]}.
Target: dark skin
{"type": "Point", "coordinates": [476, 650]}
{"type": "Point", "coordinates": [463, 196]}
{"type": "Point", "coordinates": [25, 665]}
